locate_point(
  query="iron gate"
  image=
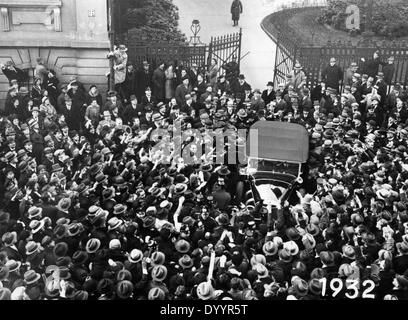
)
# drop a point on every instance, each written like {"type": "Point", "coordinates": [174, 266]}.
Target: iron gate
{"type": "Point", "coordinates": [284, 61]}
{"type": "Point", "coordinates": [224, 48]}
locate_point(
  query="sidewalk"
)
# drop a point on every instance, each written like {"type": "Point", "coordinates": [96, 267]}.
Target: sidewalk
{"type": "Point", "coordinates": [215, 20]}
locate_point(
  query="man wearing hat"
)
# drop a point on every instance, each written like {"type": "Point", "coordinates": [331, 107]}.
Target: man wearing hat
{"type": "Point", "coordinates": [120, 59]}
{"type": "Point", "coordinates": [389, 70]}
{"type": "Point", "coordinates": [144, 79]}
{"type": "Point", "coordinates": [106, 122]}
{"type": "Point", "coordinates": [70, 114]}
{"type": "Point", "coordinates": [332, 75]}
{"type": "Point", "coordinates": [241, 86]}
{"type": "Point", "coordinates": [129, 86]}
{"type": "Point", "coordinates": [13, 73]}
{"type": "Point", "coordinates": [381, 87]}
{"type": "Point", "coordinates": [148, 99]}
{"type": "Point", "coordinates": [132, 110]}
{"type": "Point", "coordinates": [257, 103]}
{"type": "Point", "coordinates": [200, 86]}
{"type": "Point", "coordinates": [348, 75]}
{"type": "Point", "coordinates": [372, 66]}
{"type": "Point", "coordinates": [158, 81]}
{"type": "Point", "coordinates": [298, 77]}
{"type": "Point", "coordinates": [182, 90]}
{"type": "Point", "coordinates": [78, 98]}
{"type": "Point", "coordinates": [269, 94]}
{"type": "Point", "coordinates": [113, 103]}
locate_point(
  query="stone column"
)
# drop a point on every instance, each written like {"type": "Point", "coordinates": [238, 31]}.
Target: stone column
{"type": "Point", "coordinates": [5, 22]}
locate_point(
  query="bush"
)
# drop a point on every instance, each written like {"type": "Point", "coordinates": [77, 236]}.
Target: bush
{"type": "Point", "coordinates": [389, 19]}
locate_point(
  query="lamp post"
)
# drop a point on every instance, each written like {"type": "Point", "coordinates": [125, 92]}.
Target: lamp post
{"type": "Point", "coordinates": [111, 9]}
{"type": "Point", "coordinates": [195, 29]}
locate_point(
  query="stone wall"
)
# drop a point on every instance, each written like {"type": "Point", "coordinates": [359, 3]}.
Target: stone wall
{"type": "Point", "coordinates": [71, 36]}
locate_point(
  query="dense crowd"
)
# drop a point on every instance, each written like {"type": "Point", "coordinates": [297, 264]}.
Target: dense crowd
{"type": "Point", "coordinates": [91, 210]}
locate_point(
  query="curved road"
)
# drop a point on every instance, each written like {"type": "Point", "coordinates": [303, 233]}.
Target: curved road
{"type": "Point", "coordinates": [215, 20]}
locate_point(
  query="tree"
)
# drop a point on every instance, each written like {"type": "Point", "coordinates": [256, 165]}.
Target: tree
{"type": "Point", "coordinates": [388, 17]}
{"type": "Point", "coordinates": [148, 21]}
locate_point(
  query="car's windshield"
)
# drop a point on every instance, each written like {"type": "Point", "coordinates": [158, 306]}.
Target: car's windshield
{"type": "Point", "coordinates": [274, 166]}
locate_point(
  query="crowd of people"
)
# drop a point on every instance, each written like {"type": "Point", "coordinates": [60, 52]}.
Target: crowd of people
{"type": "Point", "coordinates": [90, 210]}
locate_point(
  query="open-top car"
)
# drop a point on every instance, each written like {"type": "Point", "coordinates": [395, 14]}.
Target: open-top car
{"type": "Point", "coordinates": [276, 152]}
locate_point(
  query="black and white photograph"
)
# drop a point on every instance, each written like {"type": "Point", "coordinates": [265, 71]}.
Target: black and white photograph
{"type": "Point", "coordinates": [198, 152]}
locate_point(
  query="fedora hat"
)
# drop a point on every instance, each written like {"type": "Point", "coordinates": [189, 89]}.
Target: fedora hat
{"type": "Point", "coordinates": [327, 258]}
{"type": "Point", "coordinates": [157, 258]}
{"type": "Point", "coordinates": [270, 248]}
{"type": "Point", "coordinates": [157, 117]}
{"type": "Point", "coordinates": [114, 223]}
{"type": "Point", "coordinates": [205, 291]}
{"type": "Point", "coordinates": [186, 262]}
{"type": "Point", "coordinates": [60, 231]}
{"type": "Point", "coordinates": [119, 209]}
{"type": "Point", "coordinates": [156, 293]}
{"type": "Point", "coordinates": [293, 234]}
{"type": "Point", "coordinates": [31, 277]}
{"type": "Point", "coordinates": [242, 113]}
{"type": "Point", "coordinates": [224, 171]}
{"type": "Point", "coordinates": [9, 238]}
{"type": "Point", "coordinates": [60, 249]}
{"type": "Point", "coordinates": [56, 168]}
{"type": "Point", "coordinates": [309, 241]}
{"type": "Point", "coordinates": [182, 246]}
{"type": "Point", "coordinates": [261, 270]}
{"type": "Point", "coordinates": [284, 255]}
{"type": "Point", "coordinates": [135, 256]}
{"type": "Point", "coordinates": [124, 275]}
{"type": "Point", "coordinates": [223, 219]}
{"type": "Point", "coordinates": [64, 273]}
{"type": "Point", "coordinates": [13, 265]}
{"type": "Point", "coordinates": [93, 245]}
{"type": "Point", "coordinates": [292, 247]}
{"type": "Point", "coordinates": [159, 273]}
{"type": "Point", "coordinates": [349, 252]}
{"type": "Point", "coordinates": [108, 193]}
{"type": "Point", "coordinates": [75, 229]}
{"type": "Point", "coordinates": [181, 178]}
{"type": "Point", "coordinates": [149, 222]}
{"type": "Point", "coordinates": [64, 204]}
{"type": "Point", "coordinates": [31, 247]}
{"type": "Point", "coordinates": [79, 257]}
{"type": "Point", "coordinates": [119, 181]}
{"type": "Point", "coordinates": [94, 210]}
{"type": "Point", "coordinates": [36, 225]}
{"type": "Point", "coordinates": [301, 287]}
{"type": "Point", "coordinates": [312, 229]}
{"type": "Point", "coordinates": [124, 289]}
{"type": "Point", "coordinates": [180, 188]}
{"type": "Point", "coordinates": [100, 177]}
{"type": "Point", "coordinates": [402, 247]}
{"type": "Point", "coordinates": [95, 169]}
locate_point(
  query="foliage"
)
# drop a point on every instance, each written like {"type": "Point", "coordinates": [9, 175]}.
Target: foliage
{"type": "Point", "coordinates": [389, 19]}
{"type": "Point", "coordinates": [148, 21]}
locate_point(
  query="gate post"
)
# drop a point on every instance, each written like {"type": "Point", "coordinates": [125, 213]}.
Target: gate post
{"type": "Point", "coordinates": [239, 50]}
{"type": "Point", "coordinates": [210, 50]}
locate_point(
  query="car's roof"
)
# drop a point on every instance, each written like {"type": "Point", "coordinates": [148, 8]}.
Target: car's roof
{"type": "Point", "coordinates": [279, 141]}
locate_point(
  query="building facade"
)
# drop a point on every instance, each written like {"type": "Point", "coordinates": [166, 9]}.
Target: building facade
{"type": "Point", "coordinates": [70, 36]}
